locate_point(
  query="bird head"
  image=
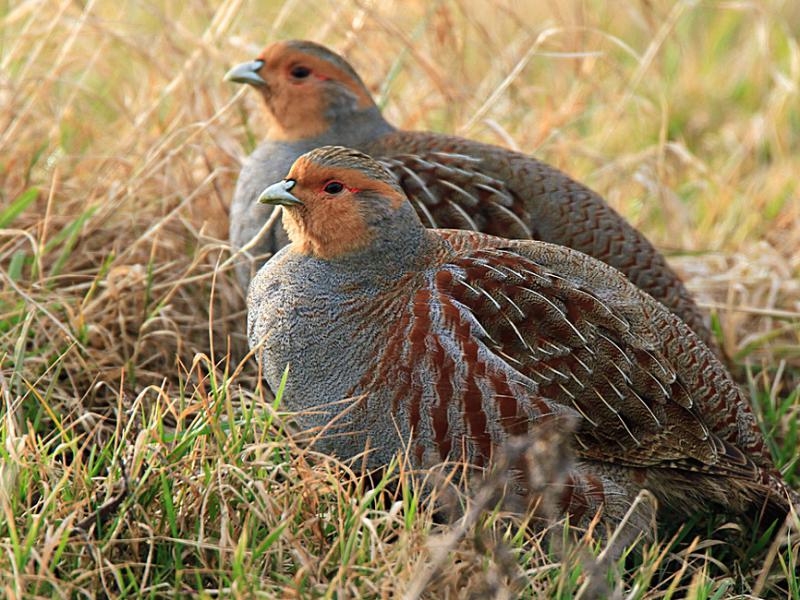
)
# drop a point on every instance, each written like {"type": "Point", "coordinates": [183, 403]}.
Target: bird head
{"type": "Point", "coordinates": [306, 87]}
{"type": "Point", "coordinates": [338, 201]}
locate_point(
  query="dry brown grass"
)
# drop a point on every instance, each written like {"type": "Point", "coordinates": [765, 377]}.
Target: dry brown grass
{"type": "Point", "coordinates": [122, 350]}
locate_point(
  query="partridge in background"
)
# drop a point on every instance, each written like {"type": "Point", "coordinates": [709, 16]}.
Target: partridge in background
{"type": "Point", "coordinates": [315, 98]}
{"type": "Point", "coordinates": [449, 343]}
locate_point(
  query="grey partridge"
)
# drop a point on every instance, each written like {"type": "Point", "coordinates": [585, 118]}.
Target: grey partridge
{"type": "Point", "coordinates": [449, 343]}
{"type": "Point", "coordinates": [314, 98]}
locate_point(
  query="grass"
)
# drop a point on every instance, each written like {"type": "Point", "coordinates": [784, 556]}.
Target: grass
{"type": "Point", "coordinates": [141, 457]}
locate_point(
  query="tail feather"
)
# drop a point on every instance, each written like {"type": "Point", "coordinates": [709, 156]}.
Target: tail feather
{"type": "Point", "coordinates": [778, 498]}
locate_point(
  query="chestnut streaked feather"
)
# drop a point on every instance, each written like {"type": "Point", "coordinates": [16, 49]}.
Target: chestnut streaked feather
{"type": "Point", "coordinates": [457, 342]}
{"type": "Point", "coordinates": [452, 182]}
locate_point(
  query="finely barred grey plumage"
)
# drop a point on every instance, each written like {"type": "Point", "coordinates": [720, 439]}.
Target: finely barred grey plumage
{"type": "Point", "coordinates": [449, 343]}
{"type": "Point", "coordinates": [315, 98]}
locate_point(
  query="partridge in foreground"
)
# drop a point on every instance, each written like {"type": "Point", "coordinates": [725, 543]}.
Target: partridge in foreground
{"type": "Point", "coordinates": [449, 343]}
{"type": "Point", "coordinates": [315, 98]}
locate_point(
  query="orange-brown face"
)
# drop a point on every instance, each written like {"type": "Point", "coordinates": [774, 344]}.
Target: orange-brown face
{"type": "Point", "coordinates": [299, 86]}
{"type": "Point", "coordinates": [327, 209]}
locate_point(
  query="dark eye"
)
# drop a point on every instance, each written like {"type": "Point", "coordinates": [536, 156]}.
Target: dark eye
{"type": "Point", "coordinates": [334, 187]}
{"type": "Point", "coordinates": [300, 72]}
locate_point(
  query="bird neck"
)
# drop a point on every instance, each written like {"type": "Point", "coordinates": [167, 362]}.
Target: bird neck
{"type": "Point", "coordinates": [340, 125]}
{"type": "Point", "coordinates": [399, 245]}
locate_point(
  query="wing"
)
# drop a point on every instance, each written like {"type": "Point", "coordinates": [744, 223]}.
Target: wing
{"type": "Point", "coordinates": [452, 190]}
{"type": "Point", "coordinates": [457, 183]}
{"type": "Point", "coordinates": [649, 392]}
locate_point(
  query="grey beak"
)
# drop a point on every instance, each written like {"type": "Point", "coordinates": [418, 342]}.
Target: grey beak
{"type": "Point", "coordinates": [278, 193]}
{"type": "Point", "coordinates": [246, 73]}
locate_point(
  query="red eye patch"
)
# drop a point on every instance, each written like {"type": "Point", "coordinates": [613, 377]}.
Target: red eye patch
{"type": "Point", "coordinates": [334, 187]}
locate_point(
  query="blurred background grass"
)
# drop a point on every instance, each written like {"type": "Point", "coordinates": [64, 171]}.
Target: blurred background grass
{"type": "Point", "coordinates": [121, 343]}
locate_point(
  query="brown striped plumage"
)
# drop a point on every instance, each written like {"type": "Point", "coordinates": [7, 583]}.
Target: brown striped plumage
{"type": "Point", "coordinates": [315, 98]}
{"type": "Point", "coordinates": [460, 341]}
